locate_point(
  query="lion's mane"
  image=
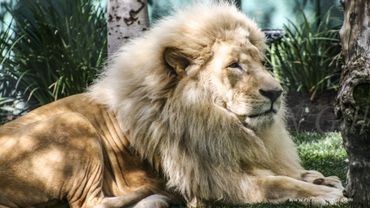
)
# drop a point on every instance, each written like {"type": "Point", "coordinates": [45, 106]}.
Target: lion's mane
{"type": "Point", "coordinates": [200, 148]}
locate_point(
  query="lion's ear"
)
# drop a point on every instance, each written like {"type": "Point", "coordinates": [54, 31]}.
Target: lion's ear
{"type": "Point", "coordinates": [177, 60]}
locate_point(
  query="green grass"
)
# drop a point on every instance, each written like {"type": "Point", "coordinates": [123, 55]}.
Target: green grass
{"type": "Point", "coordinates": [323, 152]}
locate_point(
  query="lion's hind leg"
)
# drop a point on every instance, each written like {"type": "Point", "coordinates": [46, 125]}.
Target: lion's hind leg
{"type": "Point", "coordinates": [52, 159]}
{"type": "Point", "coordinates": [64, 156]}
{"type": "Point", "coordinates": [140, 198]}
{"type": "Point", "coordinates": [86, 187]}
{"type": "Point", "coordinates": [154, 201]}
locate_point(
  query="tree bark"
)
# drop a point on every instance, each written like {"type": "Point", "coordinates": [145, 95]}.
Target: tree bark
{"type": "Point", "coordinates": [353, 101]}
{"type": "Point", "coordinates": [126, 19]}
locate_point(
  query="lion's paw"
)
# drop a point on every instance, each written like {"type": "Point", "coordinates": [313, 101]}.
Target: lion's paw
{"type": "Point", "coordinates": [310, 175]}
{"type": "Point", "coordinates": [331, 181]}
{"type": "Point", "coordinates": [317, 178]}
{"type": "Point", "coordinates": [333, 197]}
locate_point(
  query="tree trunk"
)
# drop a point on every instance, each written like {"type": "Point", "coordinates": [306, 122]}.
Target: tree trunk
{"type": "Point", "coordinates": [126, 19]}
{"type": "Point", "coordinates": [353, 101]}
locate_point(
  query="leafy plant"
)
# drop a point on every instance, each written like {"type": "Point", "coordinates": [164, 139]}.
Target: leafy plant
{"type": "Point", "coordinates": [7, 83]}
{"type": "Point", "coordinates": [57, 49]}
{"type": "Point", "coordinates": [306, 58]}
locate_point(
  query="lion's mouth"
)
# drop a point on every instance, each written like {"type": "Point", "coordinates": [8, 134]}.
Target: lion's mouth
{"type": "Point", "coordinates": [265, 113]}
{"type": "Point", "coordinates": [245, 118]}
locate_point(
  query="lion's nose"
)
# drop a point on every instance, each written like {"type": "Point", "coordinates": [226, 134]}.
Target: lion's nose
{"type": "Point", "coordinates": [273, 95]}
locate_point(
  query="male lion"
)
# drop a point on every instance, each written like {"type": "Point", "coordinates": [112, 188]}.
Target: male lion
{"type": "Point", "coordinates": [186, 112]}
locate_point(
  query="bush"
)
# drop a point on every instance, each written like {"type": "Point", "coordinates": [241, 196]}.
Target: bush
{"type": "Point", "coordinates": [307, 57]}
{"type": "Point", "coordinates": [7, 83]}
{"type": "Point", "coordinates": [57, 49]}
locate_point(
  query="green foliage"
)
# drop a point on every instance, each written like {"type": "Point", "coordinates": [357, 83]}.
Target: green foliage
{"type": "Point", "coordinates": [57, 49]}
{"type": "Point", "coordinates": [306, 58]}
{"type": "Point", "coordinates": [7, 83]}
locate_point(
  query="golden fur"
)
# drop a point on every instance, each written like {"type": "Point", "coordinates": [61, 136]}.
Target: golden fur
{"type": "Point", "coordinates": [186, 97]}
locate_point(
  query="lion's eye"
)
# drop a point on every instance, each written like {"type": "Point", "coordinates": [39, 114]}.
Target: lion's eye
{"type": "Point", "coordinates": [235, 65]}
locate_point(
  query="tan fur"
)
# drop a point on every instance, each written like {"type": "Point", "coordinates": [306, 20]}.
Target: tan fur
{"type": "Point", "coordinates": [173, 99]}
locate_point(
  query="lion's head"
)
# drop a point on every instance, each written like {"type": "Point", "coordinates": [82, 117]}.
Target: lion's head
{"type": "Point", "coordinates": [231, 75]}
{"type": "Point", "coordinates": [192, 93]}
{"type": "Point", "coordinates": [226, 59]}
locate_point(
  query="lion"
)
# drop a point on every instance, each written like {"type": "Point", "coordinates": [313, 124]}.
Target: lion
{"type": "Point", "coordinates": [185, 113]}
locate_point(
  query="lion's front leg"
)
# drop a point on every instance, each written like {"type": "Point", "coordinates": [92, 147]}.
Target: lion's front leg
{"type": "Point", "coordinates": [310, 176]}
{"type": "Point", "coordinates": [278, 189]}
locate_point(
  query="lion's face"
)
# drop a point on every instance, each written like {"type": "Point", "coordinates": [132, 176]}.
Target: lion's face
{"type": "Point", "coordinates": [235, 79]}
{"type": "Point", "coordinates": [247, 89]}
